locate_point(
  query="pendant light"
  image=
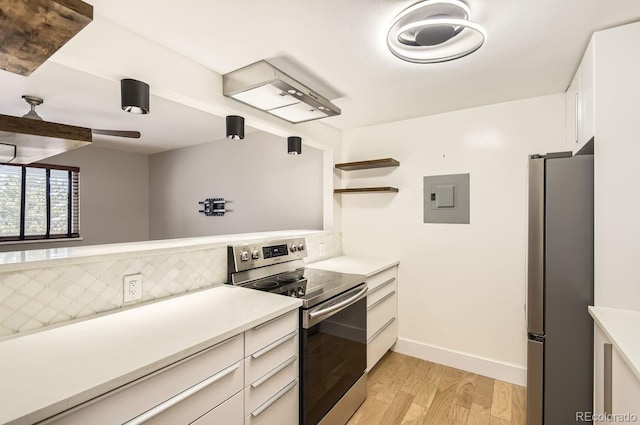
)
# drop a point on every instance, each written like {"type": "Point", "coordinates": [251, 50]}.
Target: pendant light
{"type": "Point", "coordinates": [294, 144]}
{"type": "Point", "coordinates": [134, 96]}
{"type": "Point", "coordinates": [235, 127]}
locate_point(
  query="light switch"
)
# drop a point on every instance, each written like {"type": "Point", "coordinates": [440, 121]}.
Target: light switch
{"type": "Point", "coordinates": [445, 196]}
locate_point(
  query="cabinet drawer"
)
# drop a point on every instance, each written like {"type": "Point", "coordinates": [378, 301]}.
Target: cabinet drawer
{"type": "Point", "coordinates": [264, 334]}
{"type": "Point", "coordinates": [189, 405]}
{"type": "Point", "coordinates": [131, 400]}
{"type": "Point", "coordinates": [625, 388]}
{"type": "Point", "coordinates": [381, 312]}
{"type": "Point", "coordinates": [231, 412]}
{"type": "Point", "coordinates": [381, 343]}
{"type": "Point", "coordinates": [381, 291]}
{"type": "Point", "coordinates": [379, 278]}
{"type": "Point", "coordinates": [282, 408]}
{"type": "Point", "coordinates": [262, 389]}
{"type": "Point", "coordinates": [269, 357]}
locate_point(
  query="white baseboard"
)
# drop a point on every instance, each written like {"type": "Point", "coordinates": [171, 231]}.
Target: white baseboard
{"type": "Point", "coordinates": [479, 365]}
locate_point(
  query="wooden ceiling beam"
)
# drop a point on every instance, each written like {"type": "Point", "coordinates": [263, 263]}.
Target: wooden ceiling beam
{"type": "Point", "coordinates": [33, 30]}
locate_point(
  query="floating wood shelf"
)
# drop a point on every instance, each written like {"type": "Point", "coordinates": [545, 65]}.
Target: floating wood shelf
{"type": "Point", "coordinates": [367, 189]}
{"type": "Point", "coordinates": [363, 165]}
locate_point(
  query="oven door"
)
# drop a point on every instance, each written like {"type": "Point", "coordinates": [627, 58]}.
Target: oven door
{"type": "Point", "coordinates": [333, 352]}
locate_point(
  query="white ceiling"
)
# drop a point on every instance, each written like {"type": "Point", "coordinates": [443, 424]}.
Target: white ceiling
{"type": "Point", "coordinates": [533, 47]}
{"type": "Point", "coordinates": [76, 98]}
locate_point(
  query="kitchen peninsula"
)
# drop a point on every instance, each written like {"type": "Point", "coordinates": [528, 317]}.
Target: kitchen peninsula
{"type": "Point", "coordinates": [68, 336]}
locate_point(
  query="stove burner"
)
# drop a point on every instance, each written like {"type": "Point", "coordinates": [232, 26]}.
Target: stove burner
{"type": "Point", "coordinates": [267, 284]}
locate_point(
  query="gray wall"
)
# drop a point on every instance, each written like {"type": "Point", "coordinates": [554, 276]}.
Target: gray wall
{"type": "Point", "coordinates": [270, 189]}
{"type": "Point", "coordinates": [114, 197]}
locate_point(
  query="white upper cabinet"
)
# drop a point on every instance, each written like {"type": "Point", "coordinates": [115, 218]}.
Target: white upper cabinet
{"type": "Point", "coordinates": [617, 230]}
{"type": "Point", "coordinates": [586, 99]}
{"type": "Point", "coordinates": [571, 112]}
{"type": "Point", "coordinates": [580, 103]}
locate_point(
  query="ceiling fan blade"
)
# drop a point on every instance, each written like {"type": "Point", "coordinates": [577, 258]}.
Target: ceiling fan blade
{"type": "Point", "coordinates": [117, 133]}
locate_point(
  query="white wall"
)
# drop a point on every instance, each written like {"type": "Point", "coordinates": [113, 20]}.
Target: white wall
{"type": "Point", "coordinates": [269, 189]}
{"type": "Point", "coordinates": [462, 287]}
{"type": "Point", "coordinates": [114, 197]}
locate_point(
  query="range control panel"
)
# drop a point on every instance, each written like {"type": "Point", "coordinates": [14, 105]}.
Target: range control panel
{"type": "Point", "coordinates": [254, 255]}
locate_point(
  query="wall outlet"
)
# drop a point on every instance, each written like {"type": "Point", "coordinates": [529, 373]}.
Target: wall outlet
{"type": "Point", "coordinates": [132, 288]}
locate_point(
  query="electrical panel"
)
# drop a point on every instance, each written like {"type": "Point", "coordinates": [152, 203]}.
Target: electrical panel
{"type": "Point", "coordinates": [446, 199]}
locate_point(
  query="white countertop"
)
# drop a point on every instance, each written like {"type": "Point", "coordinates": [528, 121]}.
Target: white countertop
{"type": "Point", "coordinates": [357, 265]}
{"type": "Point", "coordinates": [622, 327]}
{"type": "Point", "coordinates": [20, 260]}
{"type": "Point", "coordinates": [44, 373]}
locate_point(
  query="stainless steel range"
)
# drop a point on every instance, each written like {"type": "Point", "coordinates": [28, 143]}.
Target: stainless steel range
{"type": "Point", "coordinates": [333, 324]}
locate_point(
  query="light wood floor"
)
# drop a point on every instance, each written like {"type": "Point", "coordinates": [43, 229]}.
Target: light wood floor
{"type": "Point", "coordinates": [403, 390]}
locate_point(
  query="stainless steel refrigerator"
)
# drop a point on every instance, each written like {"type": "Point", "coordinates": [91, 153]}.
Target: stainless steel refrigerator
{"type": "Point", "coordinates": [559, 288]}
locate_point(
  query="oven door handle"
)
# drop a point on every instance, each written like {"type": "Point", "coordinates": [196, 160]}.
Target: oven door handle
{"type": "Point", "coordinates": [338, 306]}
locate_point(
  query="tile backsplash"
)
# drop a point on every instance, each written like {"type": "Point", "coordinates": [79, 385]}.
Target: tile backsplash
{"type": "Point", "coordinates": [39, 297]}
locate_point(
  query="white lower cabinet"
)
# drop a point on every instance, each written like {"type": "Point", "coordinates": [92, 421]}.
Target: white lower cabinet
{"type": "Point", "coordinates": [189, 405]}
{"type": "Point", "coordinates": [281, 408]}
{"type": "Point", "coordinates": [228, 413]}
{"type": "Point", "coordinates": [616, 389]}
{"type": "Point", "coordinates": [625, 391]}
{"type": "Point", "coordinates": [260, 391]}
{"type": "Point", "coordinates": [146, 398]}
{"type": "Point", "coordinates": [271, 372]}
{"type": "Point", "coordinates": [378, 346]}
{"type": "Point", "coordinates": [382, 314]}
{"type": "Point", "coordinates": [250, 378]}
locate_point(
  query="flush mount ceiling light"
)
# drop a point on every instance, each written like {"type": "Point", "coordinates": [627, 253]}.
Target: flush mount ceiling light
{"type": "Point", "coordinates": [265, 87]}
{"type": "Point", "coordinates": [235, 127]}
{"type": "Point", "coordinates": [135, 96]}
{"type": "Point", "coordinates": [435, 31]}
{"type": "Point", "coordinates": [294, 145]}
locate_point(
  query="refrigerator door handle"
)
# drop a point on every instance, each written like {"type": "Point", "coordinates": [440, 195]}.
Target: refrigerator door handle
{"type": "Point", "coordinates": [535, 373]}
{"type": "Point", "coordinates": [535, 277]}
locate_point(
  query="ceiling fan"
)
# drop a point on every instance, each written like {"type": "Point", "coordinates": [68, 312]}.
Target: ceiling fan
{"type": "Point", "coordinates": [32, 114]}
{"type": "Point", "coordinates": [28, 139]}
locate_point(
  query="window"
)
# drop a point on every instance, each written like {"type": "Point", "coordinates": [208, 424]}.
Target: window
{"type": "Point", "coordinates": [39, 201]}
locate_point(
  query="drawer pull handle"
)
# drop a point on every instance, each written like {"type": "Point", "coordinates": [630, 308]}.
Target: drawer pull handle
{"type": "Point", "coordinates": [608, 393]}
{"type": "Point", "coordinates": [274, 372]}
{"type": "Point", "coordinates": [273, 399]}
{"type": "Point", "coordinates": [274, 345]}
{"type": "Point", "coordinates": [386, 325]}
{"type": "Point", "coordinates": [149, 414]}
{"type": "Point", "coordinates": [381, 300]}
{"type": "Point", "coordinates": [268, 322]}
{"type": "Point", "coordinates": [371, 291]}
{"type": "Point", "coordinates": [225, 342]}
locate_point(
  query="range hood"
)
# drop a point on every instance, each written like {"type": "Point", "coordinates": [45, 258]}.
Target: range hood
{"type": "Point", "coordinates": [267, 88]}
{"type": "Point", "coordinates": [24, 140]}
